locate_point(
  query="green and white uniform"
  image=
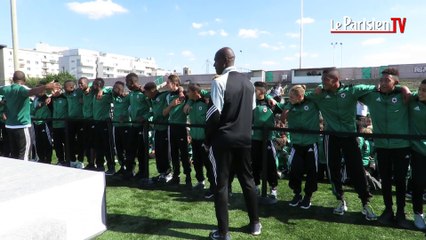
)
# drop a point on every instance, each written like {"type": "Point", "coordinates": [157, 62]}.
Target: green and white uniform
{"type": "Point", "coordinates": [339, 108]}
{"type": "Point", "coordinates": [60, 111]}
{"type": "Point", "coordinates": [389, 115]}
{"type": "Point", "coordinates": [121, 115]}
{"type": "Point", "coordinates": [417, 113]}
{"type": "Point", "coordinates": [17, 110]}
{"type": "Point", "coordinates": [75, 106]}
{"type": "Point", "coordinates": [158, 104]}
{"type": "Point", "coordinates": [197, 115]}
{"type": "Point", "coordinates": [139, 107]}
{"type": "Point", "coordinates": [17, 106]}
{"type": "Point", "coordinates": [303, 116]}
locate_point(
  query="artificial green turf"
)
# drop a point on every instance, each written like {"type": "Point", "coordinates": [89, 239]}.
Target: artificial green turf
{"type": "Point", "coordinates": [171, 212]}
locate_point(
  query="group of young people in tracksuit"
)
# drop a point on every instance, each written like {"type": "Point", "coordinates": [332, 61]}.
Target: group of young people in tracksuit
{"type": "Point", "coordinates": [393, 109]}
{"type": "Point", "coordinates": [87, 133]}
{"type": "Point", "coordinates": [78, 128]}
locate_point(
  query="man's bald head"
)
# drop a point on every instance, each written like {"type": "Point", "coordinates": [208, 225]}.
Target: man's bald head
{"type": "Point", "coordinates": [18, 76]}
{"type": "Point", "coordinates": [223, 58]}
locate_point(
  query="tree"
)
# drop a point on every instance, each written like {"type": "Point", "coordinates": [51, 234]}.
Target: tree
{"type": "Point", "coordinates": [60, 77]}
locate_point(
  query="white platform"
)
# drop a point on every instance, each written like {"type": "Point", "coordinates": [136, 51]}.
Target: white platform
{"type": "Point", "coordinates": [42, 202]}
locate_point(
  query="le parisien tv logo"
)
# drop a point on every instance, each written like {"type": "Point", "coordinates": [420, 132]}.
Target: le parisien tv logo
{"type": "Point", "coordinates": [395, 25]}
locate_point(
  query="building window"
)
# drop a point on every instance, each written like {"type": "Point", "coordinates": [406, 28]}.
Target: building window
{"type": "Point", "coordinates": [28, 69]}
{"type": "Point", "coordinates": [28, 61]}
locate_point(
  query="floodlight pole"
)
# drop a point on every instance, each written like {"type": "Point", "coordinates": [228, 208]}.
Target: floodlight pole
{"type": "Point", "coordinates": [14, 34]}
{"type": "Point", "coordinates": [301, 34]}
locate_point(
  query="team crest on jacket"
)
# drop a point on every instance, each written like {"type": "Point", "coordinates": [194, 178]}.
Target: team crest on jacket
{"type": "Point", "coordinates": [394, 100]}
{"type": "Point", "coordinates": [343, 95]}
{"type": "Point", "coordinates": [157, 100]}
{"type": "Point", "coordinates": [306, 108]}
{"type": "Point", "coordinates": [200, 108]}
{"type": "Point", "coordinates": [265, 109]}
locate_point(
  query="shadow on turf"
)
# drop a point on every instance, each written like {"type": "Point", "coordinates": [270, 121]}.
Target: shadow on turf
{"type": "Point", "coordinates": [177, 192]}
{"type": "Point", "coordinates": [287, 213]}
{"type": "Point", "coordinates": [158, 227]}
{"type": "Point", "coordinates": [281, 211]}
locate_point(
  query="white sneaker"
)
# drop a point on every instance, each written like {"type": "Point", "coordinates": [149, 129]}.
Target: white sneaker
{"type": "Point", "coordinates": [168, 177]}
{"type": "Point", "coordinates": [341, 208]}
{"type": "Point", "coordinates": [274, 193]}
{"type": "Point", "coordinates": [368, 212]}
{"type": "Point", "coordinates": [76, 164]}
{"type": "Point", "coordinates": [79, 165]}
{"type": "Point", "coordinates": [419, 221]}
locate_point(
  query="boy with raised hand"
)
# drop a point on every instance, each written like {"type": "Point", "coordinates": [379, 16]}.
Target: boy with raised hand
{"type": "Point", "coordinates": [178, 136]}
{"type": "Point", "coordinates": [197, 115]}
{"type": "Point", "coordinates": [302, 114]}
{"type": "Point", "coordinates": [264, 116]}
{"type": "Point", "coordinates": [42, 110]}
{"type": "Point", "coordinates": [390, 116]}
{"type": "Point", "coordinates": [101, 114]}
{"type": "Point", "coordinates": [121, 122]}
{"type": "Point", "coordinates": [417, 113]}
{"type": "Point", "coordinates": [139, 113]}
{"type": "Point", "coordinates": [158, 103]}
{"type": "Point", "coordinates": [87, 140]}
{"type": "Point", "coordinates": [17, 111]}
{"type": "Point", "coordinates": [75, 126]}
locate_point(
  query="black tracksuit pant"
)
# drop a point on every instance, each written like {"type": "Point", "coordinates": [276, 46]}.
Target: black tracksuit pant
{"type": "Point", "coordinates": [393, 164]}
{"type": "Point", "coordinates": [103, 146]}
{"type": "Point", "coordinates": [178, 143]}
{"type": "Point", "coordinates": [418, 169]}
{"type": "Point", "coordinates": [75, 135]}
{"type": "Point", "coordinates": [122, 140]}
{"type": "Point", "coordinates": [43, 142]}
{"type": "Point", "coordinates": [87, 142]}
{"type": "Point", "coordinates": [257, 152]}
{"type": "Point", "coordinates": [200, 159]}
{"type": "Point", "coordinates": [161, 145]}
{"type": "Point", "coordinates": [59, 144]}
{"type": "Point", "coordinates": [19, 142]}
{"type": "Point", "coordinates": [237, 160]}
{"type": "Point", "coordinates": [4, 141]}
{"type": "Point", "coordinates": [303, 159]}
{"type": "Point", "coordinates": [334, 146]}
{"type": "Point", "coordinates": [137, 149]}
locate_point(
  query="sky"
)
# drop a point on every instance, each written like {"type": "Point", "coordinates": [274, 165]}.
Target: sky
{"type": "Point", "coordinates": [187, 33]}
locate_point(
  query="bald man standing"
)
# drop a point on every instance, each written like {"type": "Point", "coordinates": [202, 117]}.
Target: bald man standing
{"type": "Point", "coordinates": [228, 137]}
{"type": "Point", "coordinates": [17, 113]}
